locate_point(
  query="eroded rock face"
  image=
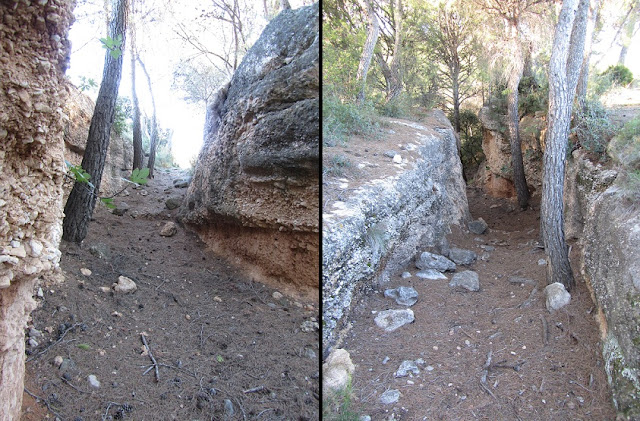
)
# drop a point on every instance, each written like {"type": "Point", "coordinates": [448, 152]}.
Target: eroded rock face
{"type": "Point", "coordinates": [608, 227]}
{"type": "Point", "coordinates": [34, 53]}
{"type": "Point", "coordinates": [255, 190]}
{"type": "Point", "coordinates": [495, 174]}
{"type": "Point", "coordinates": [376, 231]}
{"type": "Point", "coordinates": [79, 108]}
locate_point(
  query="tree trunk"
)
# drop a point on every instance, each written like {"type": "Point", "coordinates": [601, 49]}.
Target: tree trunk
{"type": "Point", "coordinates": [154, 122]}
{"type": "Point", "coordinates": [82, 199]}
{"type": "Point", "coordinates": [396, 80]}
{"type": "Point", "coordinates": [367, 53]}
{"type": "Point", "coordinates": [566, 60]}
{"type": "Point", "coordinates": [513, 116]}
{"type": "Point", "coordinates": [138, 156]}
{"type": "Point", "coordinates": [456, 101]}
{"type": "Point", "coordinates": [592, 32]}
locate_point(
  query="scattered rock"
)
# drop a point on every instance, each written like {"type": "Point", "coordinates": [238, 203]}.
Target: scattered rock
{"type": "Point", "coordinates": [390, 396]}
{"type": "Point", "coordinates": [34, 333]}
{"type": "Point", "coordinates": [390, 153]}
{"type": "Point", "coordinates": [93, 381]}
{"type": "Point", "coordinates": [406, 275]}
{"type": "Point", "coordinates": [40, 293]}
{"type": "Point", "coordinates": [57, 361]}
{"type": "Point", "coordinates": [277, 296]}
{"type": "Point", "coordinates": [173, 203]}
{"type": "Point", "coordinates": [434, 261]}
{"type": "Point", "coordinates": [467, 279]}
{"type": "Point", "coordinates": [181, 183]}
{"type": "Point", "coordinates": [405, 296]}
{"type": "Point", "coordinates": [310, 353]}
{"type": "Point", "coordinates": [124, 285]}
{"type": "Point", "coordinates": [520, 280]}
{"type": "Point", "coordinates": [462, 256]}
{"type": "Point", "coordinates": [101, 251]}
{"type": "Point", "coordinates": [67, 364]}
{"type": "Point", "coordinates": [120, 209]}
{"type": "Point", "coordinates": [85, 271]}
{"type": "Point", "coordinates": [169, 229]}
{"type": "Point", "coordinates": [430, 274]}
{"type": "Point", "coordinates": [228, 409]}
{"type": "Point", "coordinates": [557, 296]}
{"type": "Point", "coordinates": [542, 262]}
{"type": "Point", "coordinates": [336, 371]}
{"type": "Point", "coordinates": [397, 159]}
{"type": "Point", "coordinates": [310, 325]}
{"type": "Point", "coordinates": [478, 226]}
{"type": "Point", "coordinates": [385, 360]}
{"type": "Point", "coordinates": [407, 367]}
{"type": "Point", "coordinates": [390, 320]}
{"type": "Point", "coordinates": [365, 418]}
{"type": "Point", "coordinates": [32, 343]}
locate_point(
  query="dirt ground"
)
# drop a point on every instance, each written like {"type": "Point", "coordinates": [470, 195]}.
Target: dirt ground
{"type": "Point", "coordinates": [495, 354]}
{"type": "Point", "coordinates": [225, 347]}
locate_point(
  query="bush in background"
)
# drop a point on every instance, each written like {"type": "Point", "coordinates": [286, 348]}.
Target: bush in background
{"type": "Point", "coordinates": [593, 128]}
{"type": "Point", "coordinates": [341, 119]}
{"type": "Point", "coordinates": [614, 76]}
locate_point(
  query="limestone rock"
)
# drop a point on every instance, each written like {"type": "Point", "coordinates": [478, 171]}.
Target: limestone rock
{"type": "Point", "coordinates": [478, 226]}
{"type": "Point", "coordinates": [557, 296]}
{"type": "Point", "coordinates": [169, 229]}
{"type": "Point", "coordinates": [336, 371]}
{"type": "Point", "coordinates": [173, 203]}
{"type": "Point", "coordinates": [255, 190]}
{"type": "Point", "coordinates": [390, 396]}
{"type": "Point", "coordinates": [462, 256]}
{"type": "Point", "coordinates": [407, 367]}
{"type": "Point", "coordinates": [124, 285]}
{"type": "Point", "coordinates": [93, 381]}
{"type": "Point", "coordinates": [405, 296]}
{"type": "Point", "coordinates": [467, 279]}
{"type": "Point", "coordinates": [391, 320]}
{"type": "Point", "coordinates": [181, 183]}
{"type": "Point", "coordinates": [434, 261]}
{"type": "Point", "coordinates": [431, 274]}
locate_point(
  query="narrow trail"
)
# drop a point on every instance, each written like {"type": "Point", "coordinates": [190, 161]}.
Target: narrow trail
{"type": "Point", "coordinates": [495, 354]}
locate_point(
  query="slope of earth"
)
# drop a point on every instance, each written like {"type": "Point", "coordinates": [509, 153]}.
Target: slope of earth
{"type": "Point", "coordinates": [495, 354]}
{"type": "Point", "coordinates": [221, 345]}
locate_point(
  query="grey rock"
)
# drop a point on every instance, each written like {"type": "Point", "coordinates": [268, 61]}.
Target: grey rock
{"type": "Point", "coordinates": [32, 343]}
{"type": "Point", "coordinates": [390, 396]}
{"type": "Point", "coordinates": [542, 262]}
{"type": "Point", "coordinates": [181, 183]}
{"type": "Point", "coordinates": [101, 251]}
{"type": "Point", "coordinates": [467, 279]}
{"type": "Point", "coordinates": [34, 333]}
{"type": "Point", "coordinates": [173, 203]}
{"type": "Point", "coordinates": [228, 408]}
{"type": "Point", "coordinates": [557, 296]}
{"type": "Point", "coordinates": [462, 256]}
{"type": "Point", "coordinates": [478, 226]}
{"type": "Point", "coordinates": [430, 274]}
{"type": "Point", "coordinates": [405, 296]}
{"type": "Point", "coordinates": [385, 360]}
{"type": "Point", "coordinates": [390, 153]}
{"type": "Point", "coordinates": [121, 208]}
{"type": "Point", "coordinates": [406, 275]}
{"type": "Point", "coordinates": [67, 364]}
{"type": "Point", "coordinates": [391, 320]}
{"type": "Point", "coordinates": [93, 381]}
{"type": "Point", "coordinates": [169, 229]}
{"type": "Point", "coordinates": [428, 260]}
{"type": "Point", "coordinates": [310, 353]}
{"type": "Point", "coordinates": [124, 285]}
{"type": "Point", "coordinates": [407, 367]}
{"type": "Point", "coordinates": [365, 418]}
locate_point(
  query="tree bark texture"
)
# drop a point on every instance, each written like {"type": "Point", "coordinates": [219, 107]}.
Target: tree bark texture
{"type": "Point", "coordinates": [153, 145]}
{"type": "Point", "coordinates": [373, 32]}
{"type": "Point", "coordinates": [566, 60]}
{"type": "Point", "coordinates": [396, 82]}
{"type": "Point", "coordinates": [138, 155]}
{"type": "Point", "coordinates": [592, 32]}
{"type": "Point", "coordinates": [513, 117]}
{"type": "Point", "coordinates": [82, 199]}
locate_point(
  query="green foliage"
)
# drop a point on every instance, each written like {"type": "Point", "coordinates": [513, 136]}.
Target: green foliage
{"type": "Point", "coordinates": [533, 96]}
{"type": "Point", "coordinates": [219, 359]}
{"type": "Point", "coordinates": [79, 174]}
{"type": "Point", "coordinates": [471, 153]}
{"type": "Point", "coordinates": [398, 107]}
{"type": "Point", "coordinates": [87, 84]}
{"type": "Point", "coordinates": [84, 347]}
{"type": "Point", "coordinates": [113, 45]}
{"type": "Point", "coordinates": [593, 128]}
{"type": "Point", "coordinates": [338, 406]}
{"type": "Point", "coordinates": [617, 75]}
{"type": "Point", "coordinates": [624, 148]}
{"type": "Point", "coordinates": [341, 119]}
{"type": "Point", "coordinates": [108, 202]}
{"type": "Point", "coordinates": [337, 166]}
{"type": "Point", "coordinates": [124, 112]}
{"type": "Point", "coordinates": [341, 49]}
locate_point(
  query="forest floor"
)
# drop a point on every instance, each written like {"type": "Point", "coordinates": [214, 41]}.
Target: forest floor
{"type": "Point", "coordinates": [197, 340]}
{"type": "Point", "coordinates": [495, 354]}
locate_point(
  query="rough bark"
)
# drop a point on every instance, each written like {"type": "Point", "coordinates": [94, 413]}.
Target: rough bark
{"type": "Point", "coordinates": [566, 60]}
{"type": "Point", "coordinates": [373, 32]}
{"type": "Point", "coordinates": [82, 199]}
{"type": "Point", "coordinates": [592, 32]}
{"type": "Point", "coordinates": [395, 85]}
{"type": "Point", "coordinates": [513, 117]}
{"type": "Point", "coordinates": [138, 155]}
{"type": "Point", "coordinates": [153, 145]}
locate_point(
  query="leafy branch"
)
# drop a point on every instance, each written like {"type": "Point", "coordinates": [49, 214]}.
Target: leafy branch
{"type": "Point", "coordinates": [113, 46]}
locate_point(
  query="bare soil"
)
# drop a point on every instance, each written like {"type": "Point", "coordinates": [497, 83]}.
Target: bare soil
{"type": "Point", "coordinates": [496, 354]}
{"type": "Point", "coordinates": [225, 346]}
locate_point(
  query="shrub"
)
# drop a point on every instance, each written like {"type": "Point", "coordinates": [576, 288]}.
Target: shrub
{"type": "Point", "coordinates": [398, 107]}
{"type": "Point", "coordinates": [625, 149]}
{"type": "Point", "coordinates": [338, 406]}
{"type": "Point", "coordinates": [533, 96]}
{"type": "Point", "coordinates": [337, 166]}
{"type": "Point", "coordinates": [471, 153]}
{"type": "Point", "coordinates": [342, 119]}
{"type": "Point", "coordinates": [593, 127]}
{"type": "Point", "coordinates": [617, 75]}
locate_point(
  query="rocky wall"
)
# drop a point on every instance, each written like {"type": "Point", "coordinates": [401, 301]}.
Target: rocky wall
{"type": "Point", "coordinates": [606, 223]}
{"type": "Point", "coordinates": [377, 230]}
{"type": "Point", "coordinates": [255, 191]}
{"type": "Point", "coordinates": [34, 54]}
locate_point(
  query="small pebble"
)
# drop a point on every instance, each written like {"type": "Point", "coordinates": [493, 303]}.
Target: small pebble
{"type": "Point", "coordinates": [93, 381]}
{"type": "Point", "coordinates": [85, 271]}
{"type": "Point", "coordinates": [57, 361]}
{"type": "Point", "coordinates": [277, 296]}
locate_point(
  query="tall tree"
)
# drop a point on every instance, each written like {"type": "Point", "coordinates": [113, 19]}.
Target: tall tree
{"type": "Point", "coordinates": [513, 14]}
{"type": "Point", "coordinates": [373, 32]}
{"type": "Point", "coordinates": [82, 199]}
{"type": "Point", "coordinates": [138, 155]}
{"type": "Point", "coordinates": [592, 33]}
{"type": "Point", "coordinates": [153, 144]}
{"type": "Point", "coordinates": [564, 69]}
{"type": "Point", "coordinates": [391, 62]}
{"type": "Point", "coordinates": [629, 30]}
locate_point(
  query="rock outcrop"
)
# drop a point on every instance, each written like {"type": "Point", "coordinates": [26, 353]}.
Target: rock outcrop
{"type": "Point", "coordinates": [79, 108]}
{"type": "Point", "coordinates": [376, 230]}
{"type": "Point", "coordinates": [255, 189]}
{"type": "Point", "coordinates": [495, 174]}
{"type": "Point", "coordinates": [608, 227]}
{"type": "Point", "coordinates": [34, 54]}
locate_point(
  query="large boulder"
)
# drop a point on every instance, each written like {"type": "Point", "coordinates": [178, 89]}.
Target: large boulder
{"type": "Point", "coordinates": [255, 189]}
{"type": "Point", "coordinates": [34, 54]}
{"type": "Point", "coordinates": [607, 223]}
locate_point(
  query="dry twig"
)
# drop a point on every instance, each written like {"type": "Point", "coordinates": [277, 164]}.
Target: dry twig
{"type": "Point", "coordinates": [155, 363]}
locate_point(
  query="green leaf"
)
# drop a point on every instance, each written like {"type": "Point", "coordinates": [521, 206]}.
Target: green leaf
{"type": "Point", "coordinates": [140, 175]}
{"type": "Point", "coordinates": [115, 53]}
{"type": "Point", "coordinates": [108, 202]}
{"type": "Point", "coordinates": [219, 358]}
{"type": "Point", "coordinates": [84, 347]}
{"type": "Point", "coordinates": [79, 173]}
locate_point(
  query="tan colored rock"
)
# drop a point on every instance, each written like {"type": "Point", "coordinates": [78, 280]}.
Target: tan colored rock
{"type": "Point", "coordinates": [336, 371]}
{"type": "Point", "coordinates": [169, 229]}
{"type": "Point", "coordinates": [124, 285]}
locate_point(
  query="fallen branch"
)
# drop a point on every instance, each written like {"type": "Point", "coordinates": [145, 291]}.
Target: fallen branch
{"type": "Point", "coordinates": [527, 302]}
{"type": "Point", "coordinates": [485, 373]}
{"type": "Point", "coordinates": [38, 398]}
{"type": "Point", "coordinates": [545, 330]}
{"type": "Point", "coordinates": [155, 363]}
{"type": "Point", "coordinates": [254, 389]}
{"type": "Point", "coordinates": [55, 343]}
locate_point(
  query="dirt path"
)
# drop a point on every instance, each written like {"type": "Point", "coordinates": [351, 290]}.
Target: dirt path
{"type": "Point", "coordinates": [226, 347]}
{"type": "Point", "coordinates": [542, 366]}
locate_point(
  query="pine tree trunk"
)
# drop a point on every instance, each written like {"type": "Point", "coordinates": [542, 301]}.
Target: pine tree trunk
{"type": "Point", "coordinates": [82, 199]}
{"type": "Point", "coordinates": [396, 82]}
{"type": "Point", "coordinates": [373, 32]}
{"type": "Point", "coordinates": [138, 156]}
{"type": "Point", "coordinates": [154, 129]}
{"type": "Point", "coordinates": [566, 60]}
{"type": "Point", "coordinates": [513, 116]}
